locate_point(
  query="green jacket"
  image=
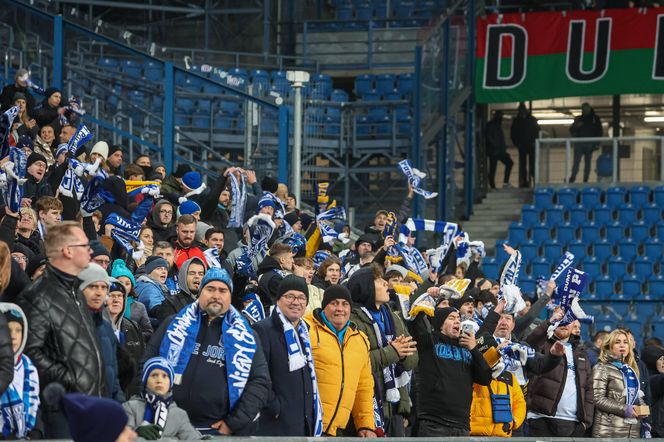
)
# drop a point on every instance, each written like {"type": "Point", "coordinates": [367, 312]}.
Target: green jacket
{"type": "Point", "coordinates": [382, 357]}
{"type": "Point", "coordinates": [170, 184]}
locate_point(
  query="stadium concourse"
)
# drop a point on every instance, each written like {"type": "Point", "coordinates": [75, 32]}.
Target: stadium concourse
{"type": "Point", "coordinates": [176, 277]}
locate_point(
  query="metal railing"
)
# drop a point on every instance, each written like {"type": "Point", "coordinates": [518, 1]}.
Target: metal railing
{"type": "Point", "coordinates": [245, 60]}
{"type": "Point", "coordinates": [621, 149]}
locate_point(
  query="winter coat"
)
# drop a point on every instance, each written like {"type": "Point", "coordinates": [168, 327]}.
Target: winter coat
{"type": "Point", "coordinates": [344, 375]}
{"type": "Point", "coordinates": [139, 316]}
{"type": "Point", "coordinates": [182, 253]}
{"type": "Point", "coordinates": [7, 97]}
{"type": "Point", "coordinates": [45, 114]}
{"type": "Point", "coordinates": [177, 423]}
{"type": "Point", "coordinates": [290, 407]}
{"type": "Point", "coordinates": [150, 292]}
{"type": "Point", "coordinates": [203, 389]}
{"type": "Point", "coordinates": [62, 342]}
{"type": "Point", "coordinates": [495, 138]}
{"type": "Point", "coordinates": [108, 344]}
{"type": "Point", "coordinates": [131, 339]}
{"type": "Point", "coordinates": [34, 243]}
{"type": "Point", "coordinates": [524, 131]}
{"type": "Point", "coordinates": [6, 356]}
{"type": "Point", "coordinates": [174, 303]}
{"type": "Point", "coordinates": [159, 231]}
{"type": "Point", "coordinates": [545, 390]}
{"type": "Point", "coordinates": [170, 184]}
{"type": "Point", "coordinates": [586, 126]}
{"type": "Point", "coordinates": [481, 411]}
{"type": "Point", "coordinates": [611, 402]}
{"type": "Point", "coordinates": [270, 275]}
{"type": "Point", "coordinates": [383, 357]}
{"type": "Point", "coordinates": [35, 190]}
{"type": "Point", "coordinates": [445, 377]}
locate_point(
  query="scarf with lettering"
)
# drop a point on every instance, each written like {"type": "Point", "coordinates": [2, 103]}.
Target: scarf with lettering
{"type": "Point", "coordinates": [6, 122]}
{"type": "Point", "coordinates": [565, 263]}
{"type": "Point", "coordinates": [567, 297]}
{"type": "Point", "coordinates": [260, 227]}
{"type": "Point", "coordinates": [19, 414]}
{"type": "Point", "coordinates": [94, 196]}
{"type": "Point", "coordinates": [632, 383]}
{"type": "Point", "coordinates": [82, 136]}
{"type": "Point", "coordinates": [238, 201]}
{"type": "Point", "coordinates": [448, 231]}
{"type": "Point", "coordinates": [15, 170]}
{"type": "Point", "coordinates": [415, 178]}
{"type": "Point", "coordinates": [156, 408]}
{"type": "Point", "coordinates": [254, 310]}
{"type": "Point", "coordinates": [237, 340]}
{"type": "Point", "coordinates": [124, 232]}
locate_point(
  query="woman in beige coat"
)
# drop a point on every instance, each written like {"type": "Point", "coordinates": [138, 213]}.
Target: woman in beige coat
{"type": "Point", "coordinates": [614, 417]}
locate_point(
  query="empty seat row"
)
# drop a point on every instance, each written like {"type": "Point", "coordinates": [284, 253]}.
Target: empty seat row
{"type": "Point", "coordinates": [600, 215]}
{"type": "Point", "coordinates": [638, 231]}
{"type": "Point", "coordinates": [593, 196]}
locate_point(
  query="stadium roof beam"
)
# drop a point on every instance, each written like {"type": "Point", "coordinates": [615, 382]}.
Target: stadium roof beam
{"type": "Point", "coordinates": [192, 10]}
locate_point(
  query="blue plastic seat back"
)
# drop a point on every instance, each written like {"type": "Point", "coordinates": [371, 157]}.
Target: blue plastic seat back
{"type": "Point", "coordinates": [652, 214]}
{"type": "Point", "coordinates": [565, 233]}
{"type": "Point", "coordinates": [589, 232]}
{"type": "Point", "coordinates": [490, 268]}
{"type": "Point", "coordinates": [528, 251]}
{"type": "Point", "coordinates": [530, 215]}
{"type": "Point", "coordinates": [592, 266]}
{"type": "Point", "coordinates": [578, 214]}
{"type": "Point", "coordinates": [639, 231]}
{"type": "Point", "coordinates": [627, 249]}
{"type": "Point", "coordinates": [364, 84]}
{"type": "Point", "coordinates": [602, 215]}
{"type": "Point", "coordinates": [643, 267]}
{"type": "Point", "coordinates": [541, 266]}
{"type": "Point", "coordinates": [604, 288]}
{"type": "Point", "coordinates": [543, 198]}
{"type": "Point", "coordinates": [602, 250]}
{"type": "Point", "coordinates": [553, 250]}
{"type": "Point", "coordinates": [653, 248]}
{"type": "Point", "coordinates": [615, 232]}
{"type": "Point", "coordinates": [631, 286]}
{"type": "Point", "coordinates": [627, 214]}
{"type": "Point", "coordinates": [405, 83]}
{"type": "Point", "coordinates": [567, 196]}
{"type": "Point", "coordinates": [639, 196]}
{"type": "Point", "coordinates": [590, 196]}
{"type": "Point", "coordinates": [617, 268]}
{"type": "Point", "coordinates": [658, 196]}
{"type": "Point", "coordinates": [517, 233]}
{"type": "Point", "coordinates": [555, 215]}
{"type": "Point", "coordinates": [616, 196]}
{"type": "Point", "coordinates": [579, 249]}
{"type": "Point", "coordinates": [385, 83]}
{"type": "Point", "coordinates": [541, 233]}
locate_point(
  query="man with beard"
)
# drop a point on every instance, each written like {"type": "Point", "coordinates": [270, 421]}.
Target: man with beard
{"type": "Point", "coordinates": [191, 273]}
{"type": "Point", "coordinates": [221, 377]}
{"type": "Point", "coordinates": [36, 186]}
{"type": "Point", "coordinates": [185, 245]}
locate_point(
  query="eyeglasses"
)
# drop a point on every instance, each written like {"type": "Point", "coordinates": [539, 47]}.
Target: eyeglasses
{"type": "Point", "coordinates": [293, 298]}
{"type": "Point", "coordinates": [102, 262]}
{"type": "Point", "coordinates": [115, 296]}
{"type": "Point", "coordinates": [166, 212]}
{"type": "Point", "coordinates": [86, 245]}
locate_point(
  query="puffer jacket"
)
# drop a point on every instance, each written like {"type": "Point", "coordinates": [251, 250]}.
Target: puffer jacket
{"type": "Point", "coordinates": [545, 390]}
{"type": "Point", "coordinates": [481, 411]}
{"type": "Point", "coordinates": [150, 293]}
{"type": "Point", "coordinates": [383, 357]}
{"type": "Point", "coordinates": [344, 375]}
{"type": "Point", "coordinates": [610, 403]}
{"type": "Point", "coordinates": [62, 342]}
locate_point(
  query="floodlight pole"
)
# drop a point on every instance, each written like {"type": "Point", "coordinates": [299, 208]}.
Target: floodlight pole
{"type": "Point", "coordinates": [297, 78]}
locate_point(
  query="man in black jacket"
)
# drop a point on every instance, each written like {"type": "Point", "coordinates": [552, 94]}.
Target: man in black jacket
{"type": "Point", "coordinates": [524, 132]}
{"type": "Point", "coordinates": [20, 85]}
{"type": "Point", "coordinates": [290, 407]}
{"type": "Point", "coordinates": [190, 275]}
{"type": "Point", "coordinates": [62, 342]}
{"type": "Point", "coordinates": [450, 363]}
{"type": "Point", "coordinates": [585, 125]}
{"type": "Point", "coordinates": [272, 270]}
{"type": "Point", "coordinates": [496, 150]}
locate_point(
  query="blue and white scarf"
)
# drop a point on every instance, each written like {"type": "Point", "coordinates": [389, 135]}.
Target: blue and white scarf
{"type": "Point", "coordinates": [6, 122]}
{"type": "Point", "coordinates": [124, 231]}
{"type": "Point", "coordinates": [261, 228]}
{"type": "Point", "coordinates": [568, 298]}
{"type": "Point", "coordinates": [15, 170]}
{"type": "Point", "coordinates": [94, 196]}
{"type": "Point", "coordinates": [299, 355]}
{"type": "Point", "coordinates": [19, 414]}
{"type": "Point", "coordinates": [237, 340]}
{"type": "Point", "coordinates": [328, 234]}
{"type": "Point", "coordinates": [212, 257]}
{"type": "Point", "coordinates": [415, 178]}
{"type": "Point", "coordinates": [449, 231]}
{"type": "Point", "coordinates": [413, 259]}
{"type": "Point", "coordinates": [71, 182]}
{"type": "Point", "coordinates": [82, 136]}
{"type": "Point", "coordinates": [632, 384]}
{"type": "Point", "coordinates": [156, 408]}
{"type": "Point", "coordinates": [565, 263]}
{"type": "Point", "coordinates": [238, 201]}
{"type": "Point", "coordinates": [254, 310]}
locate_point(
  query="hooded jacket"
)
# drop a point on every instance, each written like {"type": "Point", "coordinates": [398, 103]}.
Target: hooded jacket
{"type": "Point", "coordinates": [177, 424]}
{"type": "Point", "coordinates": [130, 338]}
{"type": "Point", "coordinates": [151, 293]}
{"type": "Point", "coordinates": [650, 355]}
{"type": "Point", "coordinates": [174, 303]}
{"type": "Point", "coordinates": [62, 342]}
{"type": "Point", "coordinates": [108, 345]}
{"type": "Point", "coordinates": [7, 356]}
{"type": "Point", "coordinates": [159, 231]}
{"type": "Point", "coordinates": [343, 370]}
{"type": "Point", "coordinates": [610, 403]}
{"type": "Point", "coordinates": [270, 275]}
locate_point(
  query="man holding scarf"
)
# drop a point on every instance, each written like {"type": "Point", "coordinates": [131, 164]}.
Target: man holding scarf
{"type": "Point", "coordinates": [294, 407]}
{"type": "Point", "coordinates": [221, 377]}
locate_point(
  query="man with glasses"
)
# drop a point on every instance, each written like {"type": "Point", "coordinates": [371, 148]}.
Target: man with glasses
{"type": "Point", "coordinates": [100, 254]}
{"type": "Point", "coordinates": [62, 342]}
{"type": "Point", "coordinates": [291, 409]}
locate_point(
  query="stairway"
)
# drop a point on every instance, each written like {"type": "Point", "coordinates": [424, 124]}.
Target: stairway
{"type": "Point", "coordinates": [494, 214]}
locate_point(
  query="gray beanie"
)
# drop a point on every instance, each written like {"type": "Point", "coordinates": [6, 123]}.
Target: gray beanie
{"type": "Point", "coordinates": [91, 274]}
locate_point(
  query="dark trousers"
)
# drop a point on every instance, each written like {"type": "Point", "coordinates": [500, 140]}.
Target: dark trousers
{"type": "Point", "coordinates": [551, 427]}
{"type": "Point", "coordinates": [584, 151]}
{"type": "Point", "coordinates": [432, 429]}
{"type": "Point", "coordinates": [526, 165]}
{"type": "Point", "coordinates": [504, 158]}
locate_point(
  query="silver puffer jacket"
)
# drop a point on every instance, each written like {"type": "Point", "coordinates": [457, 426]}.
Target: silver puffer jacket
{"type": "Point", "coordinates": [610, 403]}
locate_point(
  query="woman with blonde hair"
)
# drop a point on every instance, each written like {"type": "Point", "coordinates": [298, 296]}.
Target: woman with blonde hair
{"type": "Point", "coordinates": [617, 394]}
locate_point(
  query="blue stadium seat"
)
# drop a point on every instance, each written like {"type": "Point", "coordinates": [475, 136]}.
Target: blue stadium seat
{"type": "Point", "coordinates": [332, 126]}
{"type": "Point", "coordinates": [404, 9]}
{"type": "Point", "coordinates": [639, 196]}
{"type": "Point", "coordinates": [658, 195]}
{"type": "Point", "coordinates": [639, 231]}
{"type": "Point", "coordinates": [405, 83]}
{"type": "Point", "coordinates": [627, 214]}
{"type": "Point", "coordinates": [333, 112]}
{"type": "Point", "coordinates": [339, 96]}
{"type": "Point", "coordinates": [192, 84]}
{"type": "Point", "coordinates": [660, 230]}
{"type": "Point", "coordinates": [260, 82]}
{"type": "Point", "coordinates": [362, 125]}
{"type": "Point", "coordinates": [385, 83]}
{"type": "Point", "coordinates": [656, 286]}
{"type": "Point", "coordinates": [204, 105]}
{"type": "Point", "coordinates": [490, 268]}
{"type": "Point", "coordinates": [282, 86]}
{"type": "Point", "coordinates": [371, 96]}
{"type": "Point", "coordinates": [210, 88]}
{"type": "Point", "coordinates": [238, 78]}
{"type": "Point", "coordinates": [277, 74]}
{"type": "Point", "coordinates": [200, 119]}
{"type": "Point", "coordinates": [578, 214]}
{"type": "Point", "coordinates": [651, 213]}
{"type": "Point", "coordinates": [567, 197]}
{"type": "Point", "coordinates": [364, 84]}
{"type": "Point", "coordinates": [643, 267]}
{"type": "Point", "coordinates": [108, 63]}
{"type": "Point", "coordinates": [590, 196]}
{"type": "Point", "coordinates": [627, 249]}
{"type": "Point", "coordinates": [137, 97]}
{"type": "Point", "coordinates": [578, 248]}
{"type": "Point", "coordinates": [517, 233]}
{"type": "Point", "coordinates": [530, 215]}
{"type": "Point", "coordinates": [615, 232]}
{"type": "Point", "coordinates": [130, 68]}
{"type": "Point", "coordinates": [344, 12]}
{"type": "Point", "coordinates": [602, 250]}
{"type": "Point", "coordinates": [541, 233]}
{"type": "Point", "coordinates": [604, 288]}
{"type": "Point", "coordinates": [589, 232]}
{"type": "Point", "coordinates": [606, 326]}
{"type": "Point", "coordinates": [383, 125]}
{"type": "Point", "coordinates": [617, 267]}
{"type": "Point", "coordinates": [602, 215]}
{"type": "Point", "coordinates": [152, 71]}
{"type": "Point", "coordinates": [565, 233]}
{"type": "Point", "coordinates": [615, 196]}
{"type": "Point", "coordinates": [528, 286]}
{"type": "Point", "coordinates": [592, 266]}
{"type": "Point", "coordinates": [323, 83]}
{"type": "Point", "coordinates": [541, 266]}
{"type": "Point", "coordinates": [552, 251]}
{"type": "Point", "coordinates": [182, 120]}
{"type": "Point", "coordinates": [363, 12]}
{"type": "Point", "coordinates": [380, 10]}
{"type": "Point", "coordinates": [501, 254]}
{"type": "Point", "coordinates": [555, 215]}
{"type": "Point", "coordinates": [653, 248]}
{"type": "Point", "coordinates": [543, 197]}
{"type": "Point", "coordinates": [230, 107]}
{"type": "Point", "coordinates": [222, 122]}
{"type": "Point", "coordinates": [631, 286]}
{"type": "Point", "coordinates": [528, 251]}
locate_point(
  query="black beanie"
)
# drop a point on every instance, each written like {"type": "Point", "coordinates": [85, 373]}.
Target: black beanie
{"type": "Point", "coordinates": [114, 148]}
{"type": "Point", "coordinates": [34, 157]}
{"type": "Point", "coordinates": [34, 264]}
{"type": "Point", "coordinates": [269, 184]}
{"type": "Point", "coordinates": [292, 282]}
{"type": "Point", "coordinates": [362, 288]}
{"type": "Point", "coordinates": [335, 292]}
{"type": "Point", "coordinates": [14, 316]}
{"type": "Point", "coordinates": [458, 302]}
{"type": "Point", "coordinates": [440, 315]}
{"type": "Point", "coordinates": [181, 170]}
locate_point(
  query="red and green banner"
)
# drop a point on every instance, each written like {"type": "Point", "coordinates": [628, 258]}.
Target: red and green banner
{"type": "Point", "coordinates": [539, 55]}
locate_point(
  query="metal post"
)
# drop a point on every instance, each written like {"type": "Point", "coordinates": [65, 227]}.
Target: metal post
{"type": "Point", "coordinates": [661, 159]}
{"type": "Point", "coordinates": [416, 149]}
{"type": "Point", "coordinates": [568, 151]}
{"type": "Point", "coordinates": [58, 51]}
{"type": "Point", "coordinates": [296, 158]}
{"type": "Point", "coordinates": [614, 177]}
{"type": "Point", "coordinates": [282, 158]}
{"type": "Point", "coordinates": [470, 114]}
{"type": "Point", "coordinates": [169, 117]}
{"type": "Point", "coordinates": [248, 109]}
{"type": "Point", "coordinates": [537, 161]}
{"type": "Point", "coordinates": [266, 28]}
{"type": "Point", "coordinates": [444, 107]}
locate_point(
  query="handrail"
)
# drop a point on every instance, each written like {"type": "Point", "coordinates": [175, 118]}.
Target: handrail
{"type": "Point", "coordinates": [305, 61]}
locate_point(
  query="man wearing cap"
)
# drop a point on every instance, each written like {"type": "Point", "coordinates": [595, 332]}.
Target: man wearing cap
{"type": "Point", "coordinates": [151, 288]}
{"type": "Point", "coordinates": [100, 254]}
{"type": "Point", "coordinates": [114, 159]}
{"type": "Point", "coordinates": [343, 368]}
{"type": "Point", "coordinates": [36, 186]}
{"type": "Point", "coordinates": [94, 286]}
{"type": "Point", "coordinates": [221, 377]}
{"type": "Point", "coordinates": [294, 407]}
{"type": "Point", "coordinates": [20, 85]}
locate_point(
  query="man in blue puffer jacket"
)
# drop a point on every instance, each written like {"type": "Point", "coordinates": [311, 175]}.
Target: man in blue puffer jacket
{"type": "Point", "coordinates": [151, 287]}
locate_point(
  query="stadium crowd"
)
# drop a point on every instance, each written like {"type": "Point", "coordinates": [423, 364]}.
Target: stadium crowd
{"type": "Point", "coordinates": [136, 302]}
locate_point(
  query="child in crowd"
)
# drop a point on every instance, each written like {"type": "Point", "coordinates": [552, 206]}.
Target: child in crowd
{"type": "Point", "coordinates": [153, 414]}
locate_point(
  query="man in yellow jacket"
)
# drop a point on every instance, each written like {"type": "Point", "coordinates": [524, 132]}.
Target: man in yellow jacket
{"type": "Point", "coordinates": [343, 369]}
{"type": "Point", "coordinates": [497, 409]}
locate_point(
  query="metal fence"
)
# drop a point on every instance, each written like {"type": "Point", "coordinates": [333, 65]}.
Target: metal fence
{"type": "Point", "coordinates": [610, 160]}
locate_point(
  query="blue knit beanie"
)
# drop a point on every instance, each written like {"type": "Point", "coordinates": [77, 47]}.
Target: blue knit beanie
{"type": "Point", "coordinates": [154, 262]}
{"type": "Point", "coordinates": [119, 268]}
{"type": "Point", "coordinates": [192, 180]}
{"type": "Point", "coordinates": [188, 208]}
{"type": "Point", "coordinates": [160, 363]}
{"type": "Point", "coordinates": [216, 274]}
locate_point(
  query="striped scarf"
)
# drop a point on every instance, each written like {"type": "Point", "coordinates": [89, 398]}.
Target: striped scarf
{"type": "Point", "coordinates": [19, 414]}
{"type": "Point", "coordinates": [239, 201]}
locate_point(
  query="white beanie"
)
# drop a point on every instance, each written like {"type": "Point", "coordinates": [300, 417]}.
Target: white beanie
{"type": "Point", "coordinates": [100, 148]}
